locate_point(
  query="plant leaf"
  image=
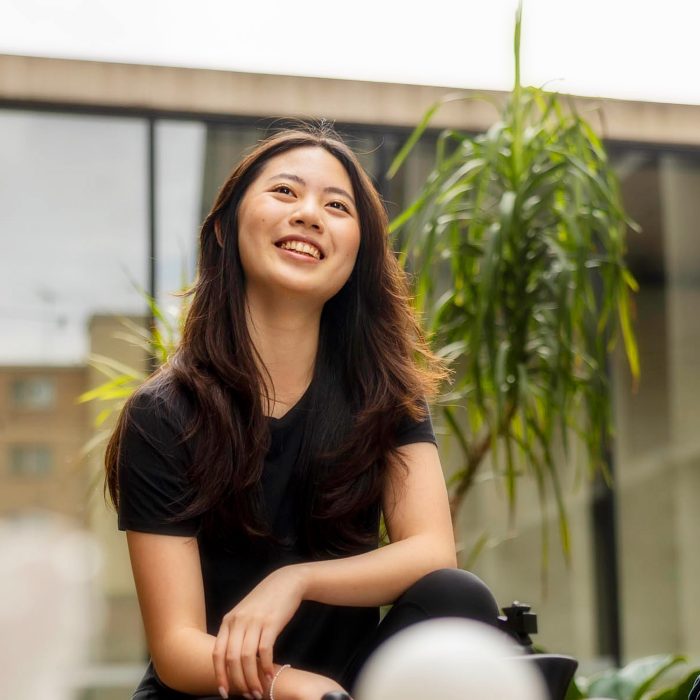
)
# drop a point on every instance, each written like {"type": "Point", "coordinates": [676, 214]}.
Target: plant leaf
{"type": "Point", "coordinates": [635, 679]}
{"type": "Point", "coordinates": [680, 691]}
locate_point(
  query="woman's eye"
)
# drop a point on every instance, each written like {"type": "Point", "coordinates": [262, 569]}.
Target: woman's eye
{"type": "Point", "coordinates": [282, 189]}
{"type": "Point", "coordinates": [339, 205]}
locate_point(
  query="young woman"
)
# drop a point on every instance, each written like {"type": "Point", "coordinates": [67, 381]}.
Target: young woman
{"type": "Point", "coordinates": [250, 472]}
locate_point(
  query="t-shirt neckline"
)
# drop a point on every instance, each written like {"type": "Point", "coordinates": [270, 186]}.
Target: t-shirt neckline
{"type": "Point", "coordinates": [289, 415]}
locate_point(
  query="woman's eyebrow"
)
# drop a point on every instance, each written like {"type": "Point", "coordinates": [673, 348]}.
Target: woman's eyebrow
{"type": "Point", "coordinates": [301, 181]}
{"type": "Point", "coordinates": [288, 176]}
{"type": "Point", "coordinates": [340, 191]}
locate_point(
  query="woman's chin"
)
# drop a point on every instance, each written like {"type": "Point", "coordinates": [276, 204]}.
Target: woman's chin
{"type": "Point", "coordinates": [294, 287]}
{"type": "Point", "coordinates": [291, 291]}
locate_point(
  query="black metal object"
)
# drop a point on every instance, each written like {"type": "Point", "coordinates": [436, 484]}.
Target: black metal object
{"type": "Point", "coordinates": [336, 695]}
{"type": "Point", "coordinates": [557, 670]}
{"type": "Point", "coordinates": [519, 622]}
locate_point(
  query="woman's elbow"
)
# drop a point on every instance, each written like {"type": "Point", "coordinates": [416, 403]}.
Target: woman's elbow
{"type": "Point", "coordinates": [164, 672]}
{"type": "Point", "coordinates": [448, 560]}
{"type": "Point", "coordinates": [164, 659]}
{"type": "Point", "coordinates": [442, 556]}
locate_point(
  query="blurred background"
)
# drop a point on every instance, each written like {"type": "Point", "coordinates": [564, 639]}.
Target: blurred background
{"type": "Point", "coordinates": [119, 121]}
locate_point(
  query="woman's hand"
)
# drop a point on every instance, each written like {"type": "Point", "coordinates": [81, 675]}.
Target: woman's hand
{"type": "Point", "coordinates": [250, 630]}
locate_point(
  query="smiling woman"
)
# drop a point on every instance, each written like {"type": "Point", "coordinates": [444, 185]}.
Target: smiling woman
{"type": "Point", "coordinates": [251, 470]}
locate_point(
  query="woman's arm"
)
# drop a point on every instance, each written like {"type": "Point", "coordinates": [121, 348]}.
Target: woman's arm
{"type": "Point", "coordinates": [417, 516]}
{"type": "Point", "coordinates": [170, 590]}
{"type": "Point", "coordinates": [169, 585]}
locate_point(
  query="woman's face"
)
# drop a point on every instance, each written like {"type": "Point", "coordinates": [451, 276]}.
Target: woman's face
{"type": "Point", "coordinates": [298, 227]}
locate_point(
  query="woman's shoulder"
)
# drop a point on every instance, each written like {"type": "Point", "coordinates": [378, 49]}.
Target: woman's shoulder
{"type": "Point", "coordinates": [159, 401]}
{"type": "Point", "coordinates": [415, 425]}
{"type": "Point", "coordinates": [153, 463]}
{"type": "Point", "coordinates": [154, 429]}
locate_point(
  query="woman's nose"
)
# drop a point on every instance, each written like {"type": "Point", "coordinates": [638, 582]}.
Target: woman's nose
{"type": "Point", "coordinates": [307, 214]}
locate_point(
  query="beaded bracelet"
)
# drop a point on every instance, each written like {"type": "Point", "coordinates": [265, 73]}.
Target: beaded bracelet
{"type": "Point", "coordinates": [271, 692]}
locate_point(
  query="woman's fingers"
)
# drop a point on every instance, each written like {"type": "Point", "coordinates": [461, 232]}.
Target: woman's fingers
{"type": "Point", "coordinates": [249, 661]}
{"type": "Point", "coordinates": [219, 658]}
{"type": "Point", "coordinates": [243, 656]}
{"type": "Point", "coordinates": [234, 667]}
{"type": "Point", "coordinates": [265, 646]}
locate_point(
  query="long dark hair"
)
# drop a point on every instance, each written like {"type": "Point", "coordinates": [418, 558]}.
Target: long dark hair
{"type": "Point", "coordinates": [373, 369]}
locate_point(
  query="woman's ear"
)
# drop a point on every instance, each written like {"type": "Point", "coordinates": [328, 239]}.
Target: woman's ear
{"type": "Point", "coordinates": [219, 233]}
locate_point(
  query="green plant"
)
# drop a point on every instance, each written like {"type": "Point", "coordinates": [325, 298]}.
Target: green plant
{"type": "Point", "coordinates": [635, 681]}
{"type": "Point", "coordinates": [158, 341]}
{"type": "Point", "coordinates": [516, 243]}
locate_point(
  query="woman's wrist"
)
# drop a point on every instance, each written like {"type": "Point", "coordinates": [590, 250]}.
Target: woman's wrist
{"type": "Point", "coordinates": [273, 681]}
{"type": "Point", "coordinates": [301, 576]}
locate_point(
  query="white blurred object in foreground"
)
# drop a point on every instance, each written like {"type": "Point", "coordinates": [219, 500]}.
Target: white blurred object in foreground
{"type": "Point", "coordinates": [449, 659]}
{"type": "Point", "coordinates": [48, 610]}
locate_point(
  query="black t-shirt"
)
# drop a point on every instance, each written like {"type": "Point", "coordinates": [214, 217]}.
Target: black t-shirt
{"type": "Point", "coordinates": [153, 487]}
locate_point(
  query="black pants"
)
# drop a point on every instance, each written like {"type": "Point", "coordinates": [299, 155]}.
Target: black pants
{"type": "Point", "coordinates": [443, 593]}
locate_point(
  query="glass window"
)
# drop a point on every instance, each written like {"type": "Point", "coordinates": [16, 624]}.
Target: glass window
{"type": "Point", "coordinates": [73, 231]}
{"type": "Point", "coordinates": [180, 150]}
{"type": "Point", "coordinates": [30, 460]}
{"type": "Point", "coordinates": [34, 393]}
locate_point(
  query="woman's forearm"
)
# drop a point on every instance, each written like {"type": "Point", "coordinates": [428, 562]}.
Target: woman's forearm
{"type": "Point", "coordinates": [377, 577]}
{"type": "Point", "coordinates": [183, 661]}
{"type": "Point", "coordinates": [187, 666]}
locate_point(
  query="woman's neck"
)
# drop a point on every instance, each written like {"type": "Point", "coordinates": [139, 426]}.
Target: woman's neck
{"type": "Point", "coordinates": [286, 338]}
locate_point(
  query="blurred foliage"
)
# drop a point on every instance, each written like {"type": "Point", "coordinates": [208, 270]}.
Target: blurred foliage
{"type": "Point", "coordinates": [516, 245]}
{"type": "Point", "coordinates": [158, 340]}
{"type": "Point", "coordinates": [638, 680]}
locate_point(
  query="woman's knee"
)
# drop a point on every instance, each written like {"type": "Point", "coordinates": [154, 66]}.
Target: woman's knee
{"type": "Point", "coordinates": [453, 593]}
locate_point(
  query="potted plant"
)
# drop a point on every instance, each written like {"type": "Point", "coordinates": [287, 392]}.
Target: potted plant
{"type": "Point", "coordinates": [516, 243]}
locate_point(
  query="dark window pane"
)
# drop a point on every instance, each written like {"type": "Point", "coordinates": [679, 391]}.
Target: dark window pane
{"type": "Point", "coordinates": [30, 460]}
{"type": "Point", "coordinates": [34, 393]}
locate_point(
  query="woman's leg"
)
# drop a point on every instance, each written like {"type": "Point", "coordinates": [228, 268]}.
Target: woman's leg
{"type": "Point", "coordinates": [442, 593]}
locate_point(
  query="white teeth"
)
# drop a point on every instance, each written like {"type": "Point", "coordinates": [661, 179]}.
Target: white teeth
{"type": "Point", "coordinates": [301, 247]}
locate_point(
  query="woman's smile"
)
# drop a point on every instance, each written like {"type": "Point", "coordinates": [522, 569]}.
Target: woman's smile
{"type": "Point", "coordinates": [305, 248]}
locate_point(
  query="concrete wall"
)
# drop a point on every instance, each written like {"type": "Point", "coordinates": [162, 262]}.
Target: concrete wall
{"type": "Point", "coordinates": [30, 79]}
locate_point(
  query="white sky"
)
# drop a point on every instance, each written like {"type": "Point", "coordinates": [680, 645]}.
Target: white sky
{"type": "Point", "coordinates": [631, 49]}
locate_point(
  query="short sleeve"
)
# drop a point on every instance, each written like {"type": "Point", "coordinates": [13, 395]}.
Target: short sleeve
{"type": "Point", "coordinates": [152, 470]}
{"type": "Point", "coordinates": [410, 431]}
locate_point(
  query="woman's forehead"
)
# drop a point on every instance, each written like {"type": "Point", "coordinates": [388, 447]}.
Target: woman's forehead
{"type": "Point", "coordinates": [312, 164]}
